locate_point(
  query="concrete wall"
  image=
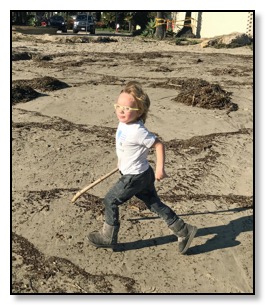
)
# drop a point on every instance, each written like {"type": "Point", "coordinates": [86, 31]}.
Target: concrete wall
{"type": "Point", "coordinates": [221, 23]}
{"type": "Point", "coordinates": [210, 24]}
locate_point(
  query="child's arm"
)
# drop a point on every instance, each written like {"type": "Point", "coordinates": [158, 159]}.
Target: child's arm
{"type": "Point", "coordinates": [160, 160]}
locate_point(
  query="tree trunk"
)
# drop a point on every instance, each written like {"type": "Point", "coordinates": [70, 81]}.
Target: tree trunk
{"type": "Point", "coordinates": [186, 31]}
{"type": "Point", "coordinates": [187, 21]}
{"type": "Point", "coordinates": [160, 29]}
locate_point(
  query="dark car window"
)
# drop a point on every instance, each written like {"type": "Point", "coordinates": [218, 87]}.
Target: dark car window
{"type": "Point", "coordinates": [83, 17]}
{"type": "Point", "coordinates": [57, 18]}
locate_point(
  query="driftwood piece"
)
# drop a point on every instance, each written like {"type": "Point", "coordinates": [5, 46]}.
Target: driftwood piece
{"type": "Point", "coordinates": [78, 194]}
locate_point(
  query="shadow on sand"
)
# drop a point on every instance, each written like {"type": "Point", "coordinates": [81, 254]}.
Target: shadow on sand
{"type": "Point", "coordinates": [224, 236]}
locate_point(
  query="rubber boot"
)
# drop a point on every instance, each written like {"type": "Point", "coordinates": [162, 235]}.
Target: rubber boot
{"type": "Point", "coordinates": [185, 234]}
{"type": "Point", "coordinates": [106, 238]}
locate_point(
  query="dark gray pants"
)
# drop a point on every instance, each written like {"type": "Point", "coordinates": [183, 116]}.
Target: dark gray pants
{"type": "Point", "coordinates": [142, 186]}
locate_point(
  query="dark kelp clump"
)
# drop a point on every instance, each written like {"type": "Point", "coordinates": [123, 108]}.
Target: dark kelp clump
{"type": "Point", "coordinates": [200, 93]}
{"type": "Point", "coordinates": [23, 94]}
{"type": "Point", "coordinates": [45, 83]}
{"type": "Point", "coordinates": [23, 90]}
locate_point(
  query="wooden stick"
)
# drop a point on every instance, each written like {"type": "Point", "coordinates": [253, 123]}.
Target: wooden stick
{"type": "Point", "coordinates": [78, 194]}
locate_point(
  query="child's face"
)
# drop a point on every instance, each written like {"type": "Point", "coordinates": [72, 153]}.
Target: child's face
{"type": "Point", "coordinates": [125, 115]}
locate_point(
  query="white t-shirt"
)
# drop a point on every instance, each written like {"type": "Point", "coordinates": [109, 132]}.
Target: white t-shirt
{"type": "Point", "coordinates": [133, 141]}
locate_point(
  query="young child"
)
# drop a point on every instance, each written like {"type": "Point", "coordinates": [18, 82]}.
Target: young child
{"type": "Point", "coordinates": [133, 141]}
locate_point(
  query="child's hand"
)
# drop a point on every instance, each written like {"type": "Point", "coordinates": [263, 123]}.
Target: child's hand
{"type": "Point", "coordinates": [160, 174]}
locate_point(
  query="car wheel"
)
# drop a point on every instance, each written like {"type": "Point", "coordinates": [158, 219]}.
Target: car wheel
{"type": "Point", "coordinates": [75, 31]}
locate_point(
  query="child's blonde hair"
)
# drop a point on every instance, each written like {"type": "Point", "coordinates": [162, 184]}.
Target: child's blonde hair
{"type": "Point", "coordinates": [142, 99]}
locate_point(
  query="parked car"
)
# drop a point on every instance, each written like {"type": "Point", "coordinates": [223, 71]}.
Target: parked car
{"type": "Point", "coordinates": [84, 22]}
{"type": "Point", "coordinates": [58, 22]}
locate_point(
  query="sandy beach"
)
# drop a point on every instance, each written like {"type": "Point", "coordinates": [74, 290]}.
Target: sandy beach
{"type": "Point", "coordinates": [63, 138]}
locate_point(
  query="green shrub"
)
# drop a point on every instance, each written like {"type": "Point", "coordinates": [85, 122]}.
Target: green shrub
{"type": "Point", "coordinates": [150, 29]}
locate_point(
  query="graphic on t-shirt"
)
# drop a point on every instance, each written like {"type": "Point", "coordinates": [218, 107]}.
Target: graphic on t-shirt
{"type": "Point", "coordinates": [121, 137]}
{"type": "Point", "coordinates": [119, 134]}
